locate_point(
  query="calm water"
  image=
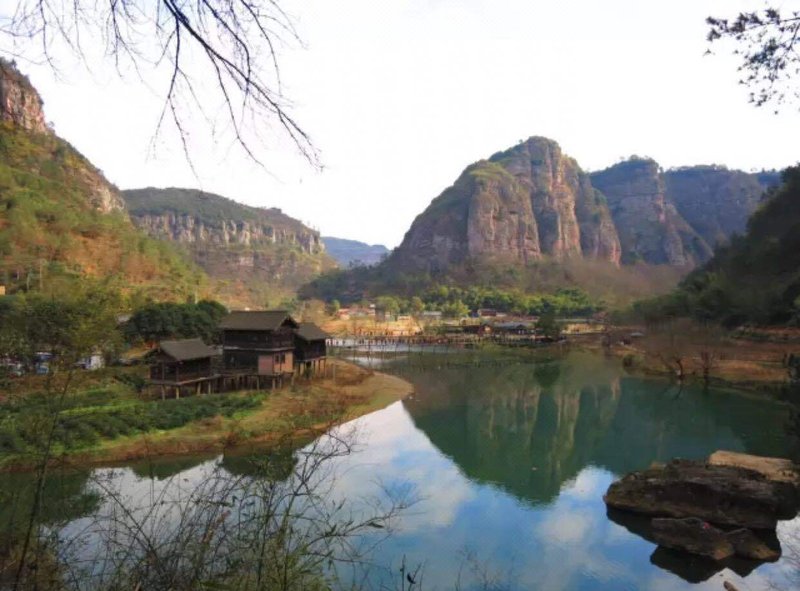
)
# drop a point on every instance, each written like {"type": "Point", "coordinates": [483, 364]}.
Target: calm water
{"type": "Point", "coordinates": [510, 460]}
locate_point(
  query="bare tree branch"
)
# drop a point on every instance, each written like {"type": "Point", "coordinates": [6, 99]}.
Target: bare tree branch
{"type": "Point", "coordinates": [233, 44]}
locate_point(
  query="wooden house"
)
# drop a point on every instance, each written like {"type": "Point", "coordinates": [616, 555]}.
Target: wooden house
{"type": "Point", "coordinates": [310, 348]}
{"type": "Point", "coordinates": [188, 364]}
{"type": "Point", "coordinates": [258, 344]}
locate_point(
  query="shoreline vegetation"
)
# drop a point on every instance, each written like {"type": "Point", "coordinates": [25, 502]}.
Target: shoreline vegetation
{"type": "Point", "coordinates": [298, 412]}
{"type": "Point", "coordinates": [752, 362]}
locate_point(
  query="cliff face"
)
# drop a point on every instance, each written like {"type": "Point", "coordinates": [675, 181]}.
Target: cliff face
{"type": "Point", "coordinates": [678, 216]}
{"type": "Point", "coordinates": [20, 103]}
{"type": "Point", "coordinates": [21, 110]}
{"type": "Point", "coordinates": [532, 202]}
{"type": "Point", "coordinates": [519, 206]}
{"type": "Point", "coordinates": [716, 201]}
{"type": "Point", "coordinates": [187, 229]}
{"type": "Point", "coordinates": [261, 250]}
{"type": "Point", "coordinates": [650, 227]}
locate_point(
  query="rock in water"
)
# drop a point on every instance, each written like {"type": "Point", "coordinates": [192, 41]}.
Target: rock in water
{"type": "Point", "coordinates": [724, 495]}
{"type": "Point", "coordinates": [748, 545]}
{"type": "Point", "coordinates": [694, 536]}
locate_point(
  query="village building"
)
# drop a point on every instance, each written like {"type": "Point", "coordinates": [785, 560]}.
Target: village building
{"type": "Point", "coordinates": [257, 347]}
{"type": "Point", "coordinates": [187, 365]}
{"type": "Point", "coordinates": [311, 349]}
{"type": "Point", "coordinates": [513, 328]}
{"type": "Point", "coordinates": [477, 329]}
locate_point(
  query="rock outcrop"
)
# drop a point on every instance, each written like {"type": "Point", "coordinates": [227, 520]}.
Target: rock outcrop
{"type": "Point", "coordinates": [532, 202]}
{"type": "Point", "coordinates": [20, 103]}
{"type": "Point", "coordinates": [726, 506]}
{"type": "Point", "coordinates": [521, 205]}
{"type": "Point", "coordinates": [262, 250]}
{"type": "Point", "coordinates": [725, 495]}
{"type": "Point", "coordinates": [650, 228]}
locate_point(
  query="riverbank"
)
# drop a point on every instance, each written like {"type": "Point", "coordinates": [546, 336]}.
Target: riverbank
{"type": "Point", "coordinates": [726, 360]}
{"type": "Point", "coordinates": [297, 412]}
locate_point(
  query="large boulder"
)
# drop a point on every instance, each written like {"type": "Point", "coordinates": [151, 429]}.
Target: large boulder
{"type": "Point", "coordinates": [719, 494]}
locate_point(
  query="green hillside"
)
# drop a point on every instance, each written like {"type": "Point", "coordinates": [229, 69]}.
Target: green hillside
{"type": "Point", "coordinates": [60, 221]}
{"type": "Point", "coordinates": [754, 279]}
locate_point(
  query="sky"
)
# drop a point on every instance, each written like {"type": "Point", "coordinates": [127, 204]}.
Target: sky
{"type": "Point", "coordinates": [399, 96]}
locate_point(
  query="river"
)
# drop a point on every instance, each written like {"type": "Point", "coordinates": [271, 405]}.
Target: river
{"type": "Point", "coordinates": [508, 457]}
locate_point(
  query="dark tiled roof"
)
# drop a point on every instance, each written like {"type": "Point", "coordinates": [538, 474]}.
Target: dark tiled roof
{"type": "Point", "coordinates": [257, 320]}
{"type": "Point", "coordinates": [186, 349]}
{"type": "Point", "coordinates": [309, 331]}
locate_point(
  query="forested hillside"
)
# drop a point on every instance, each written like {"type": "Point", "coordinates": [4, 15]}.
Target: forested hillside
{"type": "Point", "coordinates": [755, 278]}
{"type": "Point", "coordinates": [61, 220]}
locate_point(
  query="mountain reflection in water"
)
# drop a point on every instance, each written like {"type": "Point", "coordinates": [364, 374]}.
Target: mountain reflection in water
{"type": "Point", "coordinates": [510, 455]}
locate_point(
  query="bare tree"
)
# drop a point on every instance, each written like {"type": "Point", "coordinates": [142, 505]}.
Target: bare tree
{"type": "Point", "coordinates": [766, 43]}
{"type": "Point", "coordinates": [208, 54]}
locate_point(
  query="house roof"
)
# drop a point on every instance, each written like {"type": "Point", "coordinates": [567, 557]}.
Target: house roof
{"type": "Point", "coordinates": [186, 349]}
{"type": "Point", "coordinates": [309, 331]}
{"type": "Point", "coordinates": [256, 320]}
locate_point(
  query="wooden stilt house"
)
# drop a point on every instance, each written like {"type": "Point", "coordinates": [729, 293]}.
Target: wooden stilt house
{"type": "Point", "coordinates": [310, 349]}
{"type": "Point", "coordinates": [184, 365]}
{"type": "Point", "coordinates": [257, 347]}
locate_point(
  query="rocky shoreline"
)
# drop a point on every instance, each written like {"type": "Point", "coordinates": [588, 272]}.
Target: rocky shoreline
{"type": "Point", "coordinates": [723, 508]}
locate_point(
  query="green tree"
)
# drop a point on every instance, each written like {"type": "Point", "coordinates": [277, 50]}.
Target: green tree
{"type": "Point", "coordinates": [548, 325]}
{"type": "Point", "coordinates": [456, 309]}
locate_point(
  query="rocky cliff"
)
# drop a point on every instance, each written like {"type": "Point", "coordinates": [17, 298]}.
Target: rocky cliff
{"type": "Point", "coordinates": [677, 217]}
{"type": "Point", "coordinates": [521, 205]}
{"type": "Point", "coordinates": [716, 201]}
{"type": "Point", "coordinates": [532, 203]}
{"type": "Point", "coordinates": [20, 103]}
{"type": "Point", "coordinates": [250, 246]}
{"type": "Point", "coordinates": [650, 228]}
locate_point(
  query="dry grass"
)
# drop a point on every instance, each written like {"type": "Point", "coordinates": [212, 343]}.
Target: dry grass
{"type": "Point", "coordinates": [726, 357]}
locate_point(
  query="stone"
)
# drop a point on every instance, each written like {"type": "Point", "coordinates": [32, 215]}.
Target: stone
{"type": "Point", "coordinates": [776, 469]}
{"type": "Point", "coordinates": [723, 495]}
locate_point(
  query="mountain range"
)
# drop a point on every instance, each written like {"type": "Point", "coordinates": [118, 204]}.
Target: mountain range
{"type": "Point", "coordinates": [530, 207]}
{"type": "Point", "coordinates": [532, 203]}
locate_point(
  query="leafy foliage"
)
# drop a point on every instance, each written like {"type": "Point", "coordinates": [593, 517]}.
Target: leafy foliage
{"type": "Point", "coordinates": [70, 327]}
{"type": "Point", "coordinates": [167, 320]}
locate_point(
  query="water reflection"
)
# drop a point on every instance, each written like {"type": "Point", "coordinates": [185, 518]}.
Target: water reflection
{"type": "Point", "coordinates": [531, 427]}
{"type": "Point", "coordinates": [510, 458]}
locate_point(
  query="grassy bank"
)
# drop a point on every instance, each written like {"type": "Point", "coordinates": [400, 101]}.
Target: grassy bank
{"type": "Point", "coordinates": [110, 422]}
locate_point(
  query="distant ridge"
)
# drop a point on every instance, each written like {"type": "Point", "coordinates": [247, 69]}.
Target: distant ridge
{"type": "Point", "coordinates": [352, 252]}
{"type": "Point", "coordinates": [258, 256]}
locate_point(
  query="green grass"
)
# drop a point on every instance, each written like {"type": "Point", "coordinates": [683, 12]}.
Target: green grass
{"type": "Point", "coordinates": [88, 418]}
